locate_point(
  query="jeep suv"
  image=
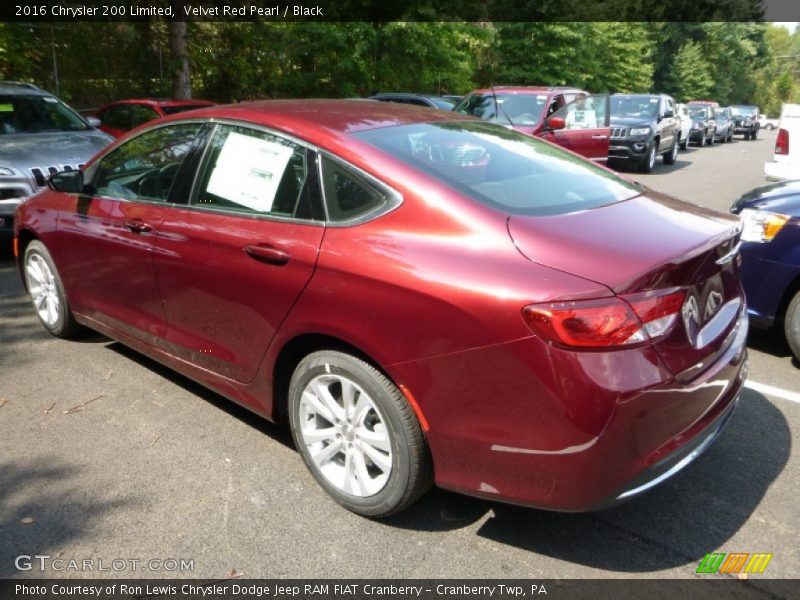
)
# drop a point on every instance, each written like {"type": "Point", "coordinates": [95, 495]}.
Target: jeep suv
{"type": "Point", "coordinates": [39, 136]}
{"type": "Point", "coordinates": [642, 127]}
{"type": "Point", "coordinates": [745, 121]}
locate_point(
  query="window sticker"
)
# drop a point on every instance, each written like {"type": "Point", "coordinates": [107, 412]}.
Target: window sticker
{"type": "Point", "coordinates": [248, 171]}
{"type": "Point", "coordinates": [50, 100]}
{"type": "Point", "coordinates": [6, 108]}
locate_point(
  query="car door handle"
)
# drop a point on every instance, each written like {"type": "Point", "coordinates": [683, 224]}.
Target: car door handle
{"type": "Point", "coordinates": [599, 137]}
{"type": "Point", "coordinates": [138, 226]}
{"type": "Point", "coordinates": [267, 253]}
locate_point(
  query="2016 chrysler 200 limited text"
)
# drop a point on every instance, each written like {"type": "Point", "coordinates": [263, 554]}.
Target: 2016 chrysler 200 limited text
{"type": "Point", "coordinates": [425, 297]}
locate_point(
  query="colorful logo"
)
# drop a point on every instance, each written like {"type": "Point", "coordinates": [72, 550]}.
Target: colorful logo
{"type": "Point", "coordinates": [735, 562]}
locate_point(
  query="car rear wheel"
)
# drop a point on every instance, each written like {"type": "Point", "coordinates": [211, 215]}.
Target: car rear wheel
{"type": "Point", "coordinates": [791, 325]}
{"type": "Point", "coordinates": [671, 156]}
{"type": "Point", "coordinates": [357, 434]}
{"type": "Point", "coordinates": [702, 141]}
{"type": "Point", "coordinates": [47, 292]}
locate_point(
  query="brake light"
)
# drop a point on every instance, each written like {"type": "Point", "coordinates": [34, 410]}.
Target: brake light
{"type": "Point", "coordinates": [782, 143]}
{"type": "Point", "coordinates": [606, 322]}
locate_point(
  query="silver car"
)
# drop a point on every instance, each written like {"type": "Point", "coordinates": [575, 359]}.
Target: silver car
{"type": "Point", "coordinates": [39, 136]}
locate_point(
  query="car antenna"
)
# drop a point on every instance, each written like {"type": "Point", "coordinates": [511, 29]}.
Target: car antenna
{"type": "Point", "coordinates": [498, 108]}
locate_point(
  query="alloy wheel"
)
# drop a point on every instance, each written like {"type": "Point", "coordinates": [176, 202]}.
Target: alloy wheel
{"type": "Point", "coordinates": [43, 289]}
{"type": "Point", "coordinates": [345, 435]}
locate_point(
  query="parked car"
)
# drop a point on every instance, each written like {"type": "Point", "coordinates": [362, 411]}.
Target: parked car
{"type": "Point", "coordinates": [430, 101]}
{"type": "Point", "coordinates": [704, 128]}
{"type": "Point", "coordinates": [120, 117]}
{"type": "Point", "coordinates": [39, 136]}
{"type": "Point", "coordinates": [723, 121]}
{"type": "Point", "coordinates": [703, 104]}
{"type": "Point", "coordinates": [785, 163]}
{"type": "Point", "coordinates": [642, 127]}
{"type": "Point", "coordinates": [771, 257]}
{"type": "Point", "coordinates": [764, 122]}
{"type": "Point", "coordinates": [745, 120]}
{"type": "Point", "coordinates": [686, 124]}
{"type": "Point", "coordinates": [453, 98]}
{"type": "Point", "coordinates": [529, 110]}
{"type": "Point", "coordinates": [422, 295]}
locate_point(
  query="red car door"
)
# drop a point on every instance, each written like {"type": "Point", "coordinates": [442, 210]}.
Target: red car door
{"type": "Point", "coordinates": [231, 264]}
{"type": "Point", "coordinates": [108, 236]}
{"type": "Point", "coordinates": [582, 126]}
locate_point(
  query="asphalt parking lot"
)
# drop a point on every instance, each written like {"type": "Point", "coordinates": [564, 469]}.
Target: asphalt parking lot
{"type": "Point", "coordinates": [106, 455]}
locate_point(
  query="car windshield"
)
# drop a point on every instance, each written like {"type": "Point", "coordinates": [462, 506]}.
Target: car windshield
{"type": "Point", "coordinates": [20, 113]}
{"type": "Point", "coordinates": [515, 109]}
{"type": "Point", "coordinates": [634, 106]}
{"type": "Point", "coordinates": [502, 168]}
{"type": "Point", "coordinates": [443, 103]}
{"type": "Point", "coordinates": [743, 111]}
{"type": "Point", "coordinates": [720, 114]}
{"type": "Point", "coordinates": [698, 114]}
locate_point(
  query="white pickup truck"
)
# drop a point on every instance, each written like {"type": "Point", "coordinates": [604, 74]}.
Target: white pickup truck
{"type": "Point", "coordinates": [785, 163]}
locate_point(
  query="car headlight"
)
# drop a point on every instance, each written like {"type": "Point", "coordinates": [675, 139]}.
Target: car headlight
{"type": "Point", "coordinates": [761, 225]}
{"type": "Point", "coordinates": [6, 172]}
{"type": "Point", "coordinates": [640, 130]}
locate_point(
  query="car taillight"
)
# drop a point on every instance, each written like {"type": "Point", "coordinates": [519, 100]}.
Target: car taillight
{"type": "Point", "coordinates": [606, 322]}
{"type": "Point", "coordinates": [782, 143]}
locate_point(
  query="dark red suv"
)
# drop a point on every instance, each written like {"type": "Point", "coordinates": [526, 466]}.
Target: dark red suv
{"type": "Point", "coordinates": [566, 116]}
{"type": "Point", "coordinates": [423, 296]}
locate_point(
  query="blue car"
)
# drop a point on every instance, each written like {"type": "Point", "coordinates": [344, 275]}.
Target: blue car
{"type": "Point", "coordinates": [771, 257]}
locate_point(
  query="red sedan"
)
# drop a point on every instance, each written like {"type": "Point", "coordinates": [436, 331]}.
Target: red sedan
{"type": "Point", "coordinates": [423, 296]}
{"type": "Point", "coordinates": [118, 118]}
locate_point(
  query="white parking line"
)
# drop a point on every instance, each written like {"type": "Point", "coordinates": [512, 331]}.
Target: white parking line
{"type": "Point", "coordinates": [773, 391]}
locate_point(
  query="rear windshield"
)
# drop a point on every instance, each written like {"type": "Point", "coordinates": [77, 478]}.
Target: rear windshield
{"type": "Point", "coordinates": [171, 110]}
{"type": "Point", "coordinates": [20, 113]}
{"type": "Point", "coordinates": [513, 109]}
{"type": "Point", "coordinates": [502, 168]}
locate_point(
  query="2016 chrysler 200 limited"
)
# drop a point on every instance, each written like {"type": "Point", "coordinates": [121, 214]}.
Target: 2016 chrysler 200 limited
{"type": "Point", "coordinates": [424, 296]}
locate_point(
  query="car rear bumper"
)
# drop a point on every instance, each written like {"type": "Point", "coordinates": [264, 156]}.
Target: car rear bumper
{"type": "Point", "coordinates": [778, 170]}
{"type": "Point", "coordinates": [571, 431]}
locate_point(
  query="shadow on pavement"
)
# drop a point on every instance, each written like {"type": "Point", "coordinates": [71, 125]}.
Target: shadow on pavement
{"type": "Point", "coordinates": [696, 512]}
{"type": "Point", "coordinates": [768, 341]}
{"type": "Point", "coordinates": [52, 494]}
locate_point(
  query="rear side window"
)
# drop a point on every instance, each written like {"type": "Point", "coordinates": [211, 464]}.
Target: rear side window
{"type": "Point", "coordinates": [255, 172]}
{"type": "Point", "coordinates": [348, 196]}
{"type": "Point", "coordinates": [507, 170]}
{"type": "Point", "coordinates": [117, 117]}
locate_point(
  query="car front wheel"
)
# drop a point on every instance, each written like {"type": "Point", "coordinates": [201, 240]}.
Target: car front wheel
{"type": "Point", "coordinates": [47, 291]}
{"type": "Point", "coordinates": [650, 160]}
{"type": "Point", "coordinates": [357, 434]}
{"type": "Point", "coordinates": [791, 325]}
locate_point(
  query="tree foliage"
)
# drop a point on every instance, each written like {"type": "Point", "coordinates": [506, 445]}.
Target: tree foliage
{"type": "Point", "coordinates": [90, 63]}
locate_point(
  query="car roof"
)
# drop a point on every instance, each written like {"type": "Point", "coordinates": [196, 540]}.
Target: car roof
{"type": "Point", "coordinates": [158, 102]}
{"type": "Point", "coordinates": [22, 88]}
{"type": "Point", "coordinates": [316, 120]}
{"type": "Point", "coordinates": [404, 95]}
{"type": "Point", "coordinates": [526, 89]}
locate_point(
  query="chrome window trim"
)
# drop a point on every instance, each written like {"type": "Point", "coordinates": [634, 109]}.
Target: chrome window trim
{"type": "Point", "coordinates": [394, 198]}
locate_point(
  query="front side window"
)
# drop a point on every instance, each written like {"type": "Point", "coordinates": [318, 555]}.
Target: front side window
{"type": "Point", "coordinates": [586, 112]}
{"type": "Point", "coordinates": [22, 113]}
{"type": "Point", "coordinates": [502, 168]}
{"type": "Point", "coordinates": [145, 167]}
{"type": "Point", "coordinates": [253, 172]}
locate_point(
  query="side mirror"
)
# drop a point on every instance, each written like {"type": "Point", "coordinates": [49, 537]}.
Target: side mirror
{"type": "Point", "coordinates": [70, 182]}
{"type": "Point", "coordinates": [94, 122]}
{"type": "Point", "coordinates": [669, 114]}
{"type": "Point", "coordinates": [556, 123]}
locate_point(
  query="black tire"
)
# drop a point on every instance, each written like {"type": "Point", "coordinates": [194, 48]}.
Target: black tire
{"type": "Point", "coordinates": [649, 161]}
{"type": "Point", "coordinates": [685, 142]}
{"type": "Point", "coordinates": [64, 326]}
{"type": "Point", "coordinates": [754, 135]}
{"type": "Point", "coordinates": [791, 325]}
{"type": "Point", "coordinates": [747, 136]}
{"type": "Point", "coordinates": [411, 469]}
{"type": "Point", "coordinates": [671, 156]}
{"type": "Point", "coordinates": [702, 141]}
{"type": "Point", "coordinates": [711, 139]}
